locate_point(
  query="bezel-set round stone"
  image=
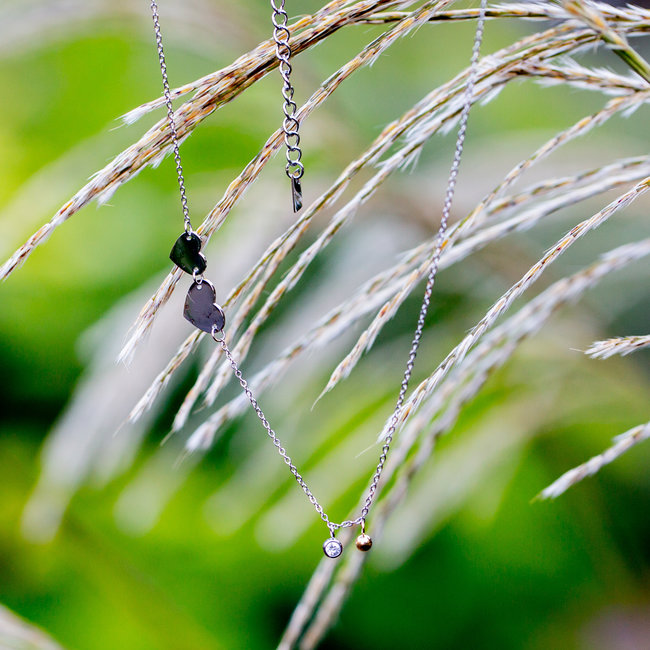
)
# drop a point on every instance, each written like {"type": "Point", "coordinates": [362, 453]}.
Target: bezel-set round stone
{"type": "Point", "coordinates": [332, 547]}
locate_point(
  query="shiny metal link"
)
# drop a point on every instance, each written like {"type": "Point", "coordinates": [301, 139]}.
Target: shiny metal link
{"type": "Point", "coordinates": [290, 124]}
{"type": "Point", "coordinates": [170, 116]}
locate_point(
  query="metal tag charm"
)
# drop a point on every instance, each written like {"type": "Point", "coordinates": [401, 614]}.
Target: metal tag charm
{"type": "Point", "coordinates": [296, 194]}
{"type": "Point", "coordinates": [201, 309]}
{"type": "Point", "coordinates": [187, 255]}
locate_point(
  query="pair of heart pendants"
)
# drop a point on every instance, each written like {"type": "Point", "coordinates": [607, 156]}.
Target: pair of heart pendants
{"type": "Point", "coordinates": [201, 308]}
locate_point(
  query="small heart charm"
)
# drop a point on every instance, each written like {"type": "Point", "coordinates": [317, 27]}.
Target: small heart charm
{"type": "Point", "coordinates": [186, 253]}
{"type": "Point", "coordinates": [201, 309]}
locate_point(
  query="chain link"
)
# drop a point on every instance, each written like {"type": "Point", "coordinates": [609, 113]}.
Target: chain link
{"type": "Point", "coordinates": [170, 117]}
{"type": "Point", "coordinates": [290, 124]}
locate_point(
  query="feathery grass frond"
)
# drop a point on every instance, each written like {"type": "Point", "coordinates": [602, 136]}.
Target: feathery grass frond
{"type": "Point", "coordinates": [211, 92]}
{"type": "Point", "coordinates": [582, 127]}
{"type": "Point", "coordinates": [501, 68]}
{"type": "Point", "coordinates": [550, 56]}
{"type": "Point", "coordinates": [589, 13]}
{"type": "Point", "coordinates": [272, 258]}
{"type": "Point", "coordinates": [524, 219]}
{"type": "Point", "coordinates": [460, 387]}
{"type": "Point", "coordinates": [237, 188]}
{"type": "Point", "coordinates": [398, 283]}
{"type": "Point", "coordinates": [623, 346]}
{"type": "Point", "coordinates": [522, 10]}
{"type": "Point", "coordinates": [622, 443]}
{"type": "Point", "coordinates": [225, 84]}
{"type": "Point", "coordinates": [391, 283]}
{"type": "Point", "coordinates": [502, 305]}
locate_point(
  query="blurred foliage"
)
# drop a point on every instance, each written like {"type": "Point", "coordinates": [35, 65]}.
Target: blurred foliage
{"type": "Point", "coordinates": [496, 571]}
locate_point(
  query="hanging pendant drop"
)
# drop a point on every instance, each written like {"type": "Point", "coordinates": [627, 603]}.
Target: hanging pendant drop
{"type": "Point", "coordinates": [364, 542]}
{"type": "Point", "coordinates": [296, 194]}
{"type": "Point", "coordinates": [332, 547]}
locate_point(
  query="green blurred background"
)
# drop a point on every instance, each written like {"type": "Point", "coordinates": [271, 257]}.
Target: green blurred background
{"type": "Point", "coordinates": [492, 570]}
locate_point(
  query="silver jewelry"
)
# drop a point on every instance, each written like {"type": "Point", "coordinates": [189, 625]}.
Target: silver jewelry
{"type": "Point", "coordinates": [202, 311]}
{"type": "Point", "coordinates": [332, 547]}
{"type": "Point", "coordinates": [290, 125]}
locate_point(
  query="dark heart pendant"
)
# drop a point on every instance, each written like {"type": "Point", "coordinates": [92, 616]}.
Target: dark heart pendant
{"type": "Point", "coordinates": [201, 309]}
{"type": "Point", "coordinates": [187, 255]}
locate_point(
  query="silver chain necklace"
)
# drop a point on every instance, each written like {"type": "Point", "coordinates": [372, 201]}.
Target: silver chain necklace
{"type": "Point", "coordinates": [200, 306]}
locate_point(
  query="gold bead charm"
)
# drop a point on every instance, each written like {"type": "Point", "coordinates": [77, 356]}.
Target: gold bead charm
{"type": "Point", "coordinates": [364, 543]}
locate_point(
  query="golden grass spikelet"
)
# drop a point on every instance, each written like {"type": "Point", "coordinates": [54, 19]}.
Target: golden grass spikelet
{"type": "Point", "coordinates": [389, 309]}
{"type": "Point", "coordinates": [582, 127]}
{"type": "Point", "coordinates": [534, 45]}
{"type": "Point", "coordinates": [155, 143]}
{"type": "Point", "coordinates": [623, 346]}
{"type": "Point", "coordinates": [237, 188]}
{"type": "Point", "coordinates": [591, 15]}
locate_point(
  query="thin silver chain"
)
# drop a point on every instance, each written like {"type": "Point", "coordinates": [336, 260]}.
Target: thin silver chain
{"type": "Point", "coordinates": [219, 338]}
{"type": "Point", "coordinates": [435, 260]}
{"type": "Point", "coordinates": [295, 170]}
{"type": "Point", "coordinates": [424, 308]}
{"type": "Point", "coordinates": [170, 117]}
{"type": "Point", "coordinates": [290, 124]}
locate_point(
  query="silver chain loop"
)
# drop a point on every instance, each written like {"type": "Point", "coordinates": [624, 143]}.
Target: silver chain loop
{"type": "Point", "coordinates": [295, 170]}
{"type": "Point", "coordinates": [424, 308]}
{"type": "Point", "coordinates": [290, 125]}
{"type": "Point", "coordinates": [170, 117]}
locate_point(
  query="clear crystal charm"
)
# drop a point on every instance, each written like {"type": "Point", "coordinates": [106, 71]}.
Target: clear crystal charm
{"type": "Point", "coordinates": [332, 547]}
